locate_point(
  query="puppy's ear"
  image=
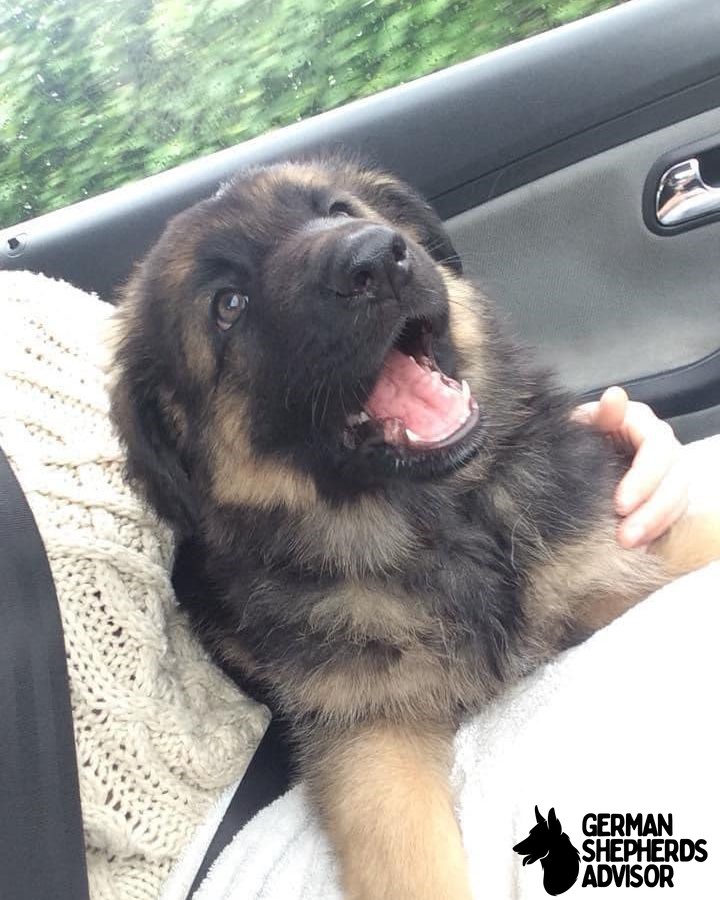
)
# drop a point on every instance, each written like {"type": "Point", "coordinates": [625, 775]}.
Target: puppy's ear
{"type": "Point", "coordinates": [150, 422]}
{"type": "Point", "coordinates": [554, 823]}
{"type": "Point", "coordinates": [398, 202]}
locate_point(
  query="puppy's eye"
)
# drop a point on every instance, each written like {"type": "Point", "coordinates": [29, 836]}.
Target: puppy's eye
{"type": "Point", "coordinates": [229, 305]}
{"type": "Point", "coordinates": [340, 208]}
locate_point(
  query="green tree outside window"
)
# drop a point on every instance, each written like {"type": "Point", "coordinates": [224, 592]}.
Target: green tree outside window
{"type": "Point", "coordinates": [96, 93]}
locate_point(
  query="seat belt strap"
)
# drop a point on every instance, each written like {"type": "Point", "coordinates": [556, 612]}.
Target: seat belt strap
{"type": "Point", "coordinates": [267, 777]}
{"type": "Point", "coordinates": [42, 853]}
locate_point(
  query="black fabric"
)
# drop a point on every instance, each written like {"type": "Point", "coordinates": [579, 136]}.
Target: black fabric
{"type": "Point", "coordinates": [267, 777]}
{"type": "Point", "coordinates": [42, 854]}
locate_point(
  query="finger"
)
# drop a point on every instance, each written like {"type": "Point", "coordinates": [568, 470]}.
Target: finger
{"type": "Point", "coordinates": [638, 532]}
{"type": "Point", "coordinates": [607, 413]}
{"type": "Point", "coordinates": [658, 449]}
{"type": "Point", "coordinates": [612, 409]}
{"type": "Point", "coordinates": [640, 423]}
{"type": "Point", "coordinates": [657, 515]}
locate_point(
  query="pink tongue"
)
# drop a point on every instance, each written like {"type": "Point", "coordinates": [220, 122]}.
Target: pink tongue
{"type": "Point", "coordinates": [429, 404]}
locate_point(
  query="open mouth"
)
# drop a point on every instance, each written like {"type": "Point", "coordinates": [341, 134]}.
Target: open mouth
{"type": "Point", "coordinates": [414, 405]}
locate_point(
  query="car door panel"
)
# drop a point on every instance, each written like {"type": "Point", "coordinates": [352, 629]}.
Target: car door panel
{"type": "Point", "coordinates": [697, 425]}
{"type": "Point", "coordinates": [570, 260]}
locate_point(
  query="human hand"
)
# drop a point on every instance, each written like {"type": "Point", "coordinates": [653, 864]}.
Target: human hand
{"type": "Point", "coordinates": [654, 492]}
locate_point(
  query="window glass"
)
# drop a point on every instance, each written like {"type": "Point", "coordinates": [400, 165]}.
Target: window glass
{"type": "Point", "coordinates": [95, 93]}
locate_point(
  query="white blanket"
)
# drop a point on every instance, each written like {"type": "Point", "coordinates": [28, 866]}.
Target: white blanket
{"type": "Point", "coordinates": [625, 723]}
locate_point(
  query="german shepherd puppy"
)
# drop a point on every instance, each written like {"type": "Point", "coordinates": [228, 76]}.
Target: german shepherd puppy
{"type": "Point", "coordinates": [396, 513]}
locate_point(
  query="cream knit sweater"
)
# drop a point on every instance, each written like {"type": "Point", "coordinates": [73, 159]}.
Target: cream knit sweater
{"type": "Point", "coordinates": [159, 731]}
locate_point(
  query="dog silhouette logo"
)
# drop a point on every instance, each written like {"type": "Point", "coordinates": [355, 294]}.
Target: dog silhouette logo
{"type": "Point", "coordinates": [559, 859]}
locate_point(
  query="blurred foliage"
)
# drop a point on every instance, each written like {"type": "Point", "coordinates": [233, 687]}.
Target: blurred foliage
{"type": "Point", "coordinates": [95, 93]}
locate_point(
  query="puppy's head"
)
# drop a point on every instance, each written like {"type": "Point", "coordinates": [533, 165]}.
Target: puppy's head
{"type": "Point", "coordinates": [290, 337]}
{"type": "Point", "coordinates": [537, 843]}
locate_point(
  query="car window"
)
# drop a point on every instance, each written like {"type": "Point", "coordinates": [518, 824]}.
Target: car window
{"type": "Point", "coordinates": [96, 93]}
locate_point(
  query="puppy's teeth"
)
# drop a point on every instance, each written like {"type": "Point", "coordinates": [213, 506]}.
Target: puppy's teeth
{"type": "Point", "coordinates": [411, 436]}
{"type": "Point", "coordinates": [465, 389]}
{"type": "Point", "coordinates": [363, 417]}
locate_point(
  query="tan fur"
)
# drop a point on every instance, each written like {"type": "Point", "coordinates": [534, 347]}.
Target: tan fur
{"type": "Point", "coordinates": [406, 845]}
{"type": "Point", "coordinates": [364, 611]}
{"type": "Point", "coordinates": [184, 259]}
{"type": "Point", "coordinates": [691, 543]}
{"type": "Point", "coordinates": [239, 476]}
{"type": "Point", "coordinates": [197, 348]}
{"type": "Point", "coordinates": [367, 537]}
{"type": "Point", "coordinates": [466, 327]}
{"type": "Point", "coordinates": [421, 681]}
{"type": "Point", "coordinates": [593, 581]}
{"type": "Point", "coordinates": [417, 684]}
{"type": "Point", "coordinates": [412, 689]}
{"type": "Point", "coordinates": [183, 265]}
{"type": "Point", "coordinates": [588, 583]}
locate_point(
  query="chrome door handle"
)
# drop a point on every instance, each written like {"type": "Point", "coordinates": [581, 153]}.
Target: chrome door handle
{"type": "Point", "coordinates": [683, 194]}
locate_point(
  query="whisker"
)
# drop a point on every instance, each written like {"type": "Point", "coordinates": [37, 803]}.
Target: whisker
{"type": "Point", "coordinates": [327, 399]}
{"type": "Point", "coordinates": [315, 399]}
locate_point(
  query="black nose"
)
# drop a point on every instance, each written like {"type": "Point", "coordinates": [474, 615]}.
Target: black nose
{"type": "Point", "coordinates": [371, 261]}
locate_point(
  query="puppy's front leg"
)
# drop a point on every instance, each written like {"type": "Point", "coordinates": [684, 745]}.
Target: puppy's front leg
{"type": "Point", "coordinates": [383, 793]}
